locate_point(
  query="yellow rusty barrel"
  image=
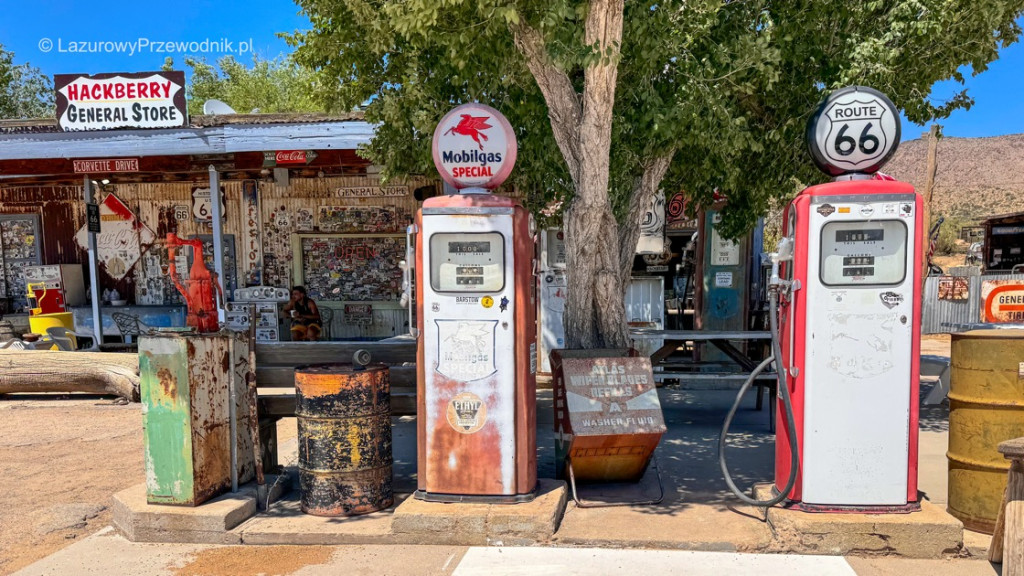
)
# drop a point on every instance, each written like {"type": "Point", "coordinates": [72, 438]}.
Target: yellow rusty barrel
{"type": "Point", "coordinates": [986, 407]}
{"type": "Point", "coordinates": [344, 439]}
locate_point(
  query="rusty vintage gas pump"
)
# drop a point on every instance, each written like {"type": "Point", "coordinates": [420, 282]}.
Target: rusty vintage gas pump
{"type": "Point", "coordinates": [846, 314]}
{"type": "Point", "coordinates": [476, 311]}
{"type": "Point", "coordinates": [203, 288]}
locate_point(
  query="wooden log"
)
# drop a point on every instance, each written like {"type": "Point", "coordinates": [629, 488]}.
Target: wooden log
{"type": "Point", "coordinates": [293, 353]}
{"type": "Point", "coordinates": [28, 371]}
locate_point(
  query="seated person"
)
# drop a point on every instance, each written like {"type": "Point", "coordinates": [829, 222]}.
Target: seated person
{"type": "Point", "coordinates": [304, 314]}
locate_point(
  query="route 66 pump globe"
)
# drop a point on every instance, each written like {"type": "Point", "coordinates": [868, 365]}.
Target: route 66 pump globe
{"type": "Point", "coordinates": [475, 321]}
{"type": "Point", "coordinates": [845, 294]}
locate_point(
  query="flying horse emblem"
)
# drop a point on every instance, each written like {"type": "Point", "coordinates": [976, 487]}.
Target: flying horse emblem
{"type": "Point", "coordinates": [471, 126]}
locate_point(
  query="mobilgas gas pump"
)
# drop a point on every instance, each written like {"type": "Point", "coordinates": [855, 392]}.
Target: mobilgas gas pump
{"type": "Point", "coordinates": [476, 321]}
{"type": "Point", "coordinates": [845, 317]}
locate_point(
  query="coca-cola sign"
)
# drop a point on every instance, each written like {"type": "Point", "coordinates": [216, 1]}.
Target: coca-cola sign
{"type": "Point", "coordinates": [474, 147]}
{"type": "Point", "coordinates": [288, 157]}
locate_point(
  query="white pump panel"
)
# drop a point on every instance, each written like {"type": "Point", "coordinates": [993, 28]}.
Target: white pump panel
{"type": "Point", "coordinates": [859, 341]}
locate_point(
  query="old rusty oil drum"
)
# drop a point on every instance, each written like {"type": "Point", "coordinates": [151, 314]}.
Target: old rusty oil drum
{"type": "Point", "coordinates": [986, 407]}
{"type": "Point", "coordinates": [344, 418]}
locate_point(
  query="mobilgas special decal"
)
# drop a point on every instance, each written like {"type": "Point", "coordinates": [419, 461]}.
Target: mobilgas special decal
{"type": "Point", "coordinates": [466, 413]}
{"type": "Point", "coordinates": [465, 349]}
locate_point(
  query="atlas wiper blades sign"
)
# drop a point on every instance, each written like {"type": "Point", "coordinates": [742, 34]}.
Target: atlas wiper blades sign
{"type": "Point", "coordinates": [123, 100]}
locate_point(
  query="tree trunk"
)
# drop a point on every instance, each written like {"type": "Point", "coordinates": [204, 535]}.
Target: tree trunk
{"type": "Point", "coordinates": [52, 371]}
{"type": "Point", "coordinates": [595, 315]}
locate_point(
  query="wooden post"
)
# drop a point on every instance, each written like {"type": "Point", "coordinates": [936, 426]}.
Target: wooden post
{"type": "Point", "coordinates": [929, 188]}
{"type": "Point", "coordinates": [1009, 549]}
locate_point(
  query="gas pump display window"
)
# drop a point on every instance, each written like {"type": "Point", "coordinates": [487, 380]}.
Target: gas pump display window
{"type": "Point", "coordinates": [467, 262]}
{"type": "Point", "coordinates": [864, 253]}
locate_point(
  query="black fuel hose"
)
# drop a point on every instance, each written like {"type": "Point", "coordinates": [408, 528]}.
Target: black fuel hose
{"type": "Point", "coordinates": [787, 409]}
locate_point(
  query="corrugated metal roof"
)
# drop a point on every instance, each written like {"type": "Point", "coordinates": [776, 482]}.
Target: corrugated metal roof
{"type": "Point", "coordinates": [38, 125]}
{"type": "Point", "coordinates": [1011, 215]}
{"type": "Point", "coordinates": [211, 135]}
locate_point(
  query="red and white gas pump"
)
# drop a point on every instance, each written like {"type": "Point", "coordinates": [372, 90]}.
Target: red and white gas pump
{"type": "Point", "coordinates": [846, 293]}
{"type": "Point", "coordinates": [476, 320]}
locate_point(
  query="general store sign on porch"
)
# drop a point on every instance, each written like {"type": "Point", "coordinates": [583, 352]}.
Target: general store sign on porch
{"type": "Point", "coordinates": [1002, 301]}
{"type": "Point", "coordinates": [129, 100]}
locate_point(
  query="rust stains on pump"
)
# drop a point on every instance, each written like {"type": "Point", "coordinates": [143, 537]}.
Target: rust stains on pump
{"type": "Point", "coordinates": [167, 383]}
{"type": "Point", "coordinates": [345, 462]}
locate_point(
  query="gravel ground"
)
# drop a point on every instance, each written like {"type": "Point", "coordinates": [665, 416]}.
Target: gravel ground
{"type": "Point", "coordinates": [62, 458]}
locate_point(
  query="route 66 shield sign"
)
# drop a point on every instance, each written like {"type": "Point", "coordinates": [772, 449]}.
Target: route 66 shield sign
{"type": "Point", "coordinates": [856, 129]}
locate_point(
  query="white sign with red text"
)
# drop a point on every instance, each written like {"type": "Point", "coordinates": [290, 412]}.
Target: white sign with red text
{"type": "Point", "coordinates": [474, 147]}
{"type": "Point", "coordinates": [130, 100]}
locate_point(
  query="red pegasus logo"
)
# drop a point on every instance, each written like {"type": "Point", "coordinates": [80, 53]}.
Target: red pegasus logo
{"type": "Point", "coordinates": [471, 126]}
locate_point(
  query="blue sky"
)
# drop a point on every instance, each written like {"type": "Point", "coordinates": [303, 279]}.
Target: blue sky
{"type": "Point", "coordinates": [251, 28]}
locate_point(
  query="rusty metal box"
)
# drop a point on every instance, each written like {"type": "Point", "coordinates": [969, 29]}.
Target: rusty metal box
{"type": "Point", "coordinates": [608, 418]}
{"type": "Point", "coordinates": [185, 386]}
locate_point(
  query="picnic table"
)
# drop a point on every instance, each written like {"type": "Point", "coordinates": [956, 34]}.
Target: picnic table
{"type": "Point", "coordinates": [700, 371]}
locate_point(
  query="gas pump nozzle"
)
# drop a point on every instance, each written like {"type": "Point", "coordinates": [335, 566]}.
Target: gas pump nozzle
{"type": "Point", "coordinates": [784, 253]}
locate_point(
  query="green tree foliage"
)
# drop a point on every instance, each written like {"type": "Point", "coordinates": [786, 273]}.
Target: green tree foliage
{"type": "Point", "coordinates": [949, 235]}
{"type": "Point", "coordinates": [269, 86]}
{"type": "Point", "coordinates": [720, 90]}
{"type": "Point", "coordinates": [25, 92]}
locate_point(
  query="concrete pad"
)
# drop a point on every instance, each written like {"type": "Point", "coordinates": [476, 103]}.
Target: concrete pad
{"type": "Point", "coordinates": [419, 522]}
{"type": "Point", "coordinates": [683, 526]}
{"type": "Point", "coordinates": [889, 566]}
{"type": "Point", "coordinates": [208, 523]}
{"type": "Point", "coordinates": [977, 544]}
{"type": "Point", "coordinates": [285, 524]}
{"type": "Point", "coordinates": [930, 533]}
{"type": "Point", "coordinates": [598, 561]}
{"type": "Point", "coordinates": [107, 553]}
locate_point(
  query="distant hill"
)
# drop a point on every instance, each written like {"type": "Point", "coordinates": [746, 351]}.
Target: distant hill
{"type": "Point", "coordinates": [976, 177]}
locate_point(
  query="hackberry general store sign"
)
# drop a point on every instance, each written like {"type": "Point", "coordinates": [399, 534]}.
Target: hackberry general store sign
{"type": "Point", "coordinates": [474, 147]}
{"type": "Point", "coordinates": [128, 100]}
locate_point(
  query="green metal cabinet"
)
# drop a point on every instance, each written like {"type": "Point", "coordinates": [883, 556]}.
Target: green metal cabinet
{"type": "Point", "coordinates": [186, 384]}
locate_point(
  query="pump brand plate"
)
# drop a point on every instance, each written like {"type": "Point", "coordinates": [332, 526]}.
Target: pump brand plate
{"type": "Point", "coordinates": [466, 349]}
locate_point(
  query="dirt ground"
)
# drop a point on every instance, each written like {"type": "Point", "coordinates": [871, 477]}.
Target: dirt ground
{"type": "Point", "coordinates": [62, 460]}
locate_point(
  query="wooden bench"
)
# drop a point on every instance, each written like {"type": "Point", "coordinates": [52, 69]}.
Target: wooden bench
{"type": "Point", "coordinates": [1008, 539]}
{"type": "Point", "coordinates": [275, 372]}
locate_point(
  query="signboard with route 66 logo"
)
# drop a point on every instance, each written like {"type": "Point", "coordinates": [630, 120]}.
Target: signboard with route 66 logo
{"type": "Point", "coordinates": [856, 129]}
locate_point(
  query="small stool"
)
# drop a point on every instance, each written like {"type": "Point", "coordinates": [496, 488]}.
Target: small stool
{"type": "Point", "coordinates": [1008, 539]}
